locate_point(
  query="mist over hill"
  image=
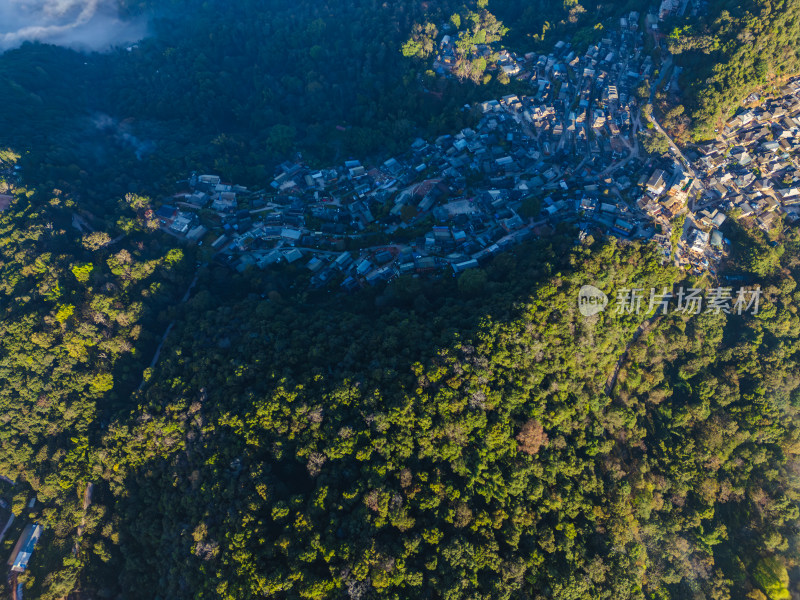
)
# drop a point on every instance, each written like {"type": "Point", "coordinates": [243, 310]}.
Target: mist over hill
{"type": "Point", "coordinates": [80, 24]}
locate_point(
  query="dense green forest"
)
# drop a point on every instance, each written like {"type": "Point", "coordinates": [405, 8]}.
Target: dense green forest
{"type": "Point", "coordinates": [76, 314]}
{"type": "Point", "coordinates": [457, 442]}
{"type": "Point", "coordinates": [459, 438]}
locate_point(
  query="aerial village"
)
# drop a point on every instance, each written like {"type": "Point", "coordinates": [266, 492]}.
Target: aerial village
{"type": "Point", "coordinates": [566, 154]}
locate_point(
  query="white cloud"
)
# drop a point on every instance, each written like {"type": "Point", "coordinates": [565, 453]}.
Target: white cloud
{"type": "Point", "coordinates": [81, 24]}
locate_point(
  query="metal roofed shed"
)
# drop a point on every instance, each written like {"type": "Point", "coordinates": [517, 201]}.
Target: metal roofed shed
{"type": "Point", "coordinates": [291, 235]}
{"type": "Point", "coordinates": [315, 264]}
{"type": "Point", "coordinates": [23, 550]}
{"type": "Point", "coordinates": [293, 255]}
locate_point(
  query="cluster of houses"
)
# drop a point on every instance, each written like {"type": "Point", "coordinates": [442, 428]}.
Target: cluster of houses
{"type": "Point", "coordinates": [566, 153]}
{"type": "Point", "coordinates": [510, 63]}
{"type": "Point", "coordinates": [752, 168]}
{"type": "Point", "coordinates": [678, 8]}
{"type": "Point", "coordinates": [669, 191]}
{"type": "Point", "coordinates": [565, 73]}
{"type": "Point", "coordinates": [749, 172]}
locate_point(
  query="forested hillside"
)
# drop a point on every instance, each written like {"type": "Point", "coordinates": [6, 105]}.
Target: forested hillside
{"type": "Point", "coordinates": [738, 47]}
{"type": "Point", "coordinates": [467, 448]}
{"type": "Point", "coordinates": [78, 317]}
{"type": "Point", "coordinates": [440, 439]}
